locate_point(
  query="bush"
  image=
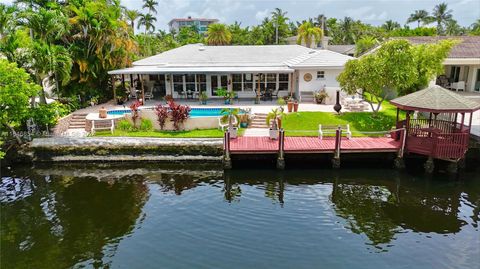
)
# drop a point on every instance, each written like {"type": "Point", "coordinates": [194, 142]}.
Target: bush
{"type": "Point", "coordinates": [48, 114]}
{"type": "Point", "coordinates": [146, 125]}
{"type": "Point", "coordinates": [124, 125]}
{"type": "Point", "coordinates": [162, 115]}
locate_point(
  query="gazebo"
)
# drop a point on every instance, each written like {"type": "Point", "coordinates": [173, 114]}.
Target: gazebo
{"type": "Point", "coordinates": [440, 130]}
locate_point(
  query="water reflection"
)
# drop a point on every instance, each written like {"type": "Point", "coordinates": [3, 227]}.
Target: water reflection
{"type": "Point", "coordinates": [58, 221]}
{"type": "Point", "coordinates": [64, 216]}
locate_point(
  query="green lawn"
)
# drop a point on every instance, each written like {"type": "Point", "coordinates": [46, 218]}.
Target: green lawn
{"type": "Point", "coordinates": [167, 134]}
{"type": "Point", "coordinates": [306, 123]}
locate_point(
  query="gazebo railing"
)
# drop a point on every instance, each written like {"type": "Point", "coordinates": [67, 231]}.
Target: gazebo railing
{"type": "Point", "coordinates": [418, 126]}
{"type": "Point", "coordinates": [450, 145]}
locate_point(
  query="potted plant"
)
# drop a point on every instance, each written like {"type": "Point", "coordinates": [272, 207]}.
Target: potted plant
{"type": "Point", "coordinates": [290, 103]}
{"type": "Point", "coordinates": [320, 96]}
{"type": "Point", "coordinates": [227, 95]}
{"type": "Point", "coordinates": [273, 119]}
{"type": "Point", "coordinates": [244, 120]}
{"type": "Point", "coordinates": [295, 106]}
{"type": "Point", "coordinates": [203, 98]}
{"type": "Point", "coordinates": [231, 114]}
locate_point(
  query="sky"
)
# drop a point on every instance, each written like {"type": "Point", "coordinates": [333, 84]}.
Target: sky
{"type": "Point", "coordinates": [250, 12]}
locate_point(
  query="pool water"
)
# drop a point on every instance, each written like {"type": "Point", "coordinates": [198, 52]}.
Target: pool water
{"type": "Point", "coordinates": [163, 216]}
{"type": "Point", "coordinates": [195, 112]}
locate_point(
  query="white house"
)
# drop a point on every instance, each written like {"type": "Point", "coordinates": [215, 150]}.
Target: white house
{"type": "Point", "coordinates": [247, 70]}
{"type": "Point", "coordinates": [462, 65]}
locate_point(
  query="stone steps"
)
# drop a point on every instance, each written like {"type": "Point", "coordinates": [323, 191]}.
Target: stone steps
{"type": "Point", "coordinates": [78, 121]}
{"type": "Point", "coordinates": [258, 121]}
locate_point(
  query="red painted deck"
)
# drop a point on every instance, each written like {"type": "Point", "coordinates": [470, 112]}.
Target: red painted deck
{"type": "Point", "coordinates": [313, 145]}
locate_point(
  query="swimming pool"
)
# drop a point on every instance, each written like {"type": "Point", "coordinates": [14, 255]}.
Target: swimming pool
{"type": "Point", "coordinates": [194, 113]}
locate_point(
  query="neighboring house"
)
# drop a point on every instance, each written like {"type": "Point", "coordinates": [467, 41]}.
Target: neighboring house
{"type": "Point", "coordinates": [324, 44]}
{"type": "Point", "coordinates": [343, 49]}
{"type": "Point", "coordinates": [247, 70]}
{"type": "Point", "coordinates": [200, 23]}
{"type": "Point", "coordinates": [462, 66]}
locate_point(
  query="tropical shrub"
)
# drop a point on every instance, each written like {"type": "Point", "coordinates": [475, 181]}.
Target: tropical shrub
{"type": "Point", "coordinates": [124, 125]}
{"type": "Point", "coordinates": [179, 114]}
{"type": "Point", "coordinates": [146, 125]}
{"type": "Point", "coordinates": [162, 115]}
{"type": "Point", "coordinates": [16, 89]}
{"type": "Point", "coordinates": [134, 108]}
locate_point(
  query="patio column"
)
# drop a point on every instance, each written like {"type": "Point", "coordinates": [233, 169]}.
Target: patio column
{"type": "Point", "coordinates": [398, 111]}
{"type": "Point", "coordinates": [258, 84]}
{"type": "Point", "coordinates": [112, 79]}
{"type": "Point", "coordinates": [123, 81]}
{"type": "Point", "coordinates": [143, 91]}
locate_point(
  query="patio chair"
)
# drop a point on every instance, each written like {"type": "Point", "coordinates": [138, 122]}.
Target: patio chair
{"type": "Point", "coordinates": [133, 93]}
{"type": "Point", "coordinates": [222, 125]}
{"type": "Point", "coordinates": [149, 94]}
{"type": "Point", "coordinates": [457, 86]}
{"type": "Point", "coordinates": [275, 93]}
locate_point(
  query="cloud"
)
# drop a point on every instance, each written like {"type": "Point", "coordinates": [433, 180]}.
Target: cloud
{"type": "Point", "coordinates": [260, 15]}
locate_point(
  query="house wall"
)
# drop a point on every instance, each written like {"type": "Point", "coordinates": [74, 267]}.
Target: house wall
{"type": "Point", "coordinates": [330, 82]}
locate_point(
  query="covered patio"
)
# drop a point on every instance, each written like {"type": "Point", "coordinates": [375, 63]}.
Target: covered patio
{"type": "Point", "coordinates": [440, 130]}
{"type": "Point", "coordinates": [189, 83]}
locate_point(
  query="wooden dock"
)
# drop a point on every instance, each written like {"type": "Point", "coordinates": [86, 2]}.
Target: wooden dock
{"type": "Point", "coordinates": [265, 145]}
{"type": "Point", "coordinates": [336, 145]}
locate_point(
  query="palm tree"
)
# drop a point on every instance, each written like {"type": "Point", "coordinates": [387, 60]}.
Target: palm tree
{"type": "Point", "coordinates": [452, 28]}
{"type": "Point", "coordinates": [147, 21]}
{"type": "Point", "coordinates": [7, 20]}
{"type": "Point", "coordinates": [308, 33]}
{"type": "Point", "coordinates": [218, 34]}
{"type": "Point", "coordinates": [278, 18]}
{"type": "Point", "coordinates": [391, 25]}
{"type": "Point", "coordinates": [441, 15]}
{"type": "Point", "coordinates": [346, 28]}
{"type": "Point", "coordinates": [46, 24]}
{"type": "Point", "coordinates": [419, 16]}
{"type": "Point", "coordinates": [51, 61]}
{"type": "Point", "coordinates": [476, 26]}
{"type": "Point", "coordinates": [132, 15]}
{"type": "Point", "coordinates": [150, 5]}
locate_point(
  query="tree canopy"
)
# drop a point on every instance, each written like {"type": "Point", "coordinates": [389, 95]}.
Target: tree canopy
{"type": "Point", "coordinates": [396, 67]}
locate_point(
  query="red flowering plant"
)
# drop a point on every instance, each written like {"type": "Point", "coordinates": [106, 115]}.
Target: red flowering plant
{"type": "Point", "coordinates": [162, 114]}
{"type": "Point", "coordinates": [179, 113]}
{"type": "Point", "coordinates": [134, 108]}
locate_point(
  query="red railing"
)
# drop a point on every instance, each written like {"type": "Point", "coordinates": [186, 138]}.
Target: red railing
{"type": "Point", "coordinates": [450, 146]}
{"type": "Point", "coordinates": [417, 127]}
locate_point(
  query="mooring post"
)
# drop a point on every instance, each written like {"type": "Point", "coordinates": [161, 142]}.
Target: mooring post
{"type": "Point", "coordinates": [227, 162]}
{"type": "Point", "coordinates": [429, 165]}
{"type": "Point", "coordinates": [399, 163]}
{"type": "Point", "coordinates": [281, 149]}
{"type": "Point", "coordinates": [338, 144]}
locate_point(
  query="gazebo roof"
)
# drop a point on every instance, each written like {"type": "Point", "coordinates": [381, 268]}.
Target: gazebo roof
{"type": "Point", "coordinates": [437, 100]}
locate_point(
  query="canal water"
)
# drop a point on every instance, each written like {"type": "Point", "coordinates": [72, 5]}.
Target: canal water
{"type": "Point", "coordinates": [164, 216]}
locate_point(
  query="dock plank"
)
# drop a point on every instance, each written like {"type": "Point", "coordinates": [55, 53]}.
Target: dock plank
{"type": "Point", "coordinates": [254, 145]}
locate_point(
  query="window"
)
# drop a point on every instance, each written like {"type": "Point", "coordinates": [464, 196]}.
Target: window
{"type": "Point", "coordinates": [202, 82]}
{"type": "Point", "coordinates": [190, 82]}
{"type": "Point", "coordinates": [248, 82]}
{"type": "Point", "coordinates": [271, 82]}
{"type": "Point", "coordinates": [237, 82]}
{"type": "Point", "coordinates": [283, 82]}
{"type": "Point", "coordinates": [320, 74]}
{"type": "Point", "coordinates": [178, 83]}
